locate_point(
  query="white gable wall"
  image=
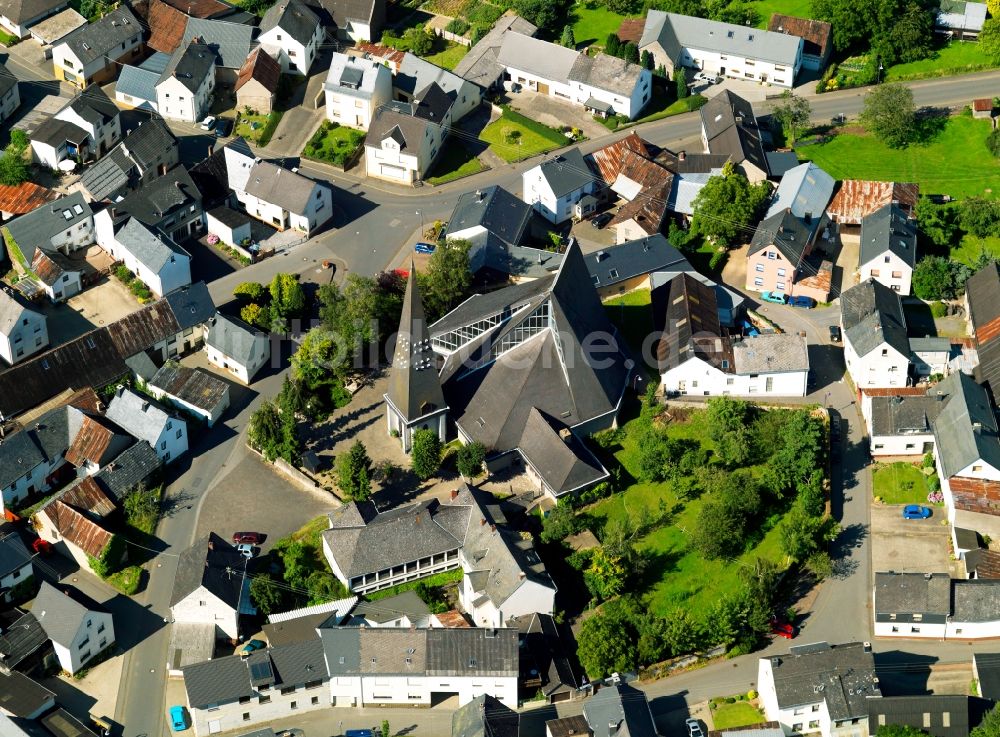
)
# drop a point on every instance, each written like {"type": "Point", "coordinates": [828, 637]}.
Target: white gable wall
{"type": "Point", "coordinates": [882, 367]}
{"type": "Point", "coordinates": [177, 102]}
{"type": "Point", "coordinates": [28, 337]}
{"type": "Point", "coordinates": [201, 606]}
{"type": "Point", "coordinates": [890, 270]}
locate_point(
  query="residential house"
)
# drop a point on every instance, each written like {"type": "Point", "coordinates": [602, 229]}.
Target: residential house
{"type": "Point", "coordinates": [855, 199]}
{"type": "Point", "coordinates": [211, 587]}
{"type": "Point", "coordinates": [876, 348]}
{"type": "Point", "coordinates": [604, 85]}
{"type": "Point", "coordinates": [91, 54]}
{"type": "Point", "coordinates": [146, 152]}
{"type": "Point", "coordinates": [257, 83]}
{"type": "Point", "coordinates": [986, 670]}
{"type": "Point", "coordinates": [22, 699]}
{"type": "Point", "coordinates": [481, 65]}
{"type": "Point", "coordinates": [557, 185]}
{"type": "Point", "coordinates": [231, 226]}
{"type": "Point", "coordinates": [291, 33]}
{"type": "Point", "coordinates": [136, 85]}
{"type": "Point", "coordinates": [79, 627]}
{"type": "Point", "coordinates": [24, 645]}
{"type": "Point", "coordinates": [231, 42]}
{"type": "Point", "coordinates": [284, 199]}
{"type": "Point", "coordinates": [137, 465]}
{"type": "Point", "coordinates": [238, 348]}
{"type": "Point", "coordinates": [166, 329]}
{"type": "Point", "coordinates": [171, 203]}
{"type": "Point", "coordinates": [940, 715]}
{"type": "Point", "coordinates": [224, 173]}
{"type": "Point", "coordinates": [195, 391]}
{"type": "Point", "coordinates": [619, 709]}
{"type": "Point", "coordinates": [901, 420]}
{"type": "Point", "coordinates": [32, 460]}
{"type": "Point", "coordinates": [819, 688]}
{"type": "Point", "coordinates": [412, 76]}
{"type": "Point", "coordinates": [695, 356]}
{"type": "Point", "coordinates": [982, 303]}
{"type": "Point", "coordinates": [723, 49]}
{"type": "Point", "coordinates": [404, 139]}
{"type": "Point", "coordinates": [184, 89]}
{"type": "Point", "coordinates": [86, 128]}
{"type": "Point", "coordinates": [95, 444]}
{"type": "Point", "coordinates": [15, 563]}
{"type": "Point", "coordinates": [485, 716]}
{"type": "Point", "coordinates": [967, 454]}
{"type": "Point", "coordinates": [10, 96]}
{"type": "Point", "coordinates": [932, 605]}
{"type": "Point", "coordinates": [23, 331]}
{"type": "Point", "coordinates": [510, 388]}
{"type": "Point", "coordinates": [961, 20]}
{"type": "Point", "coordinates": [23, 198]}
{"type": "Point", "coordinates": [504, 577]}
{"type": "Point", "coordinates": [16, 16]}
{"type": "Point", "coordinates": [73, 522]}
{"type": "Point", "coordinates": [545, 658]}
{"type": "Point", "coordinates": [56, 27]}
{"type": "Point", "coordinates": [298, 625]}
{"type": "Point", "coordinates": [628, 266]}
{"type": "Point", "coordinates": [355, 88]}
{"type": "Point", "coordinates": [729, 128]}
{"type": "Point", "coordinates": [816, 35]}
{"type": "Point", "coordinates": [730, 303]}
{"type": "Point", "coordinates": [402, 610]}
{"type": "Point", "coordinates": [149, 421]}
{"type": "Point", "coordinates": [161, 264]}
{"type": "Point", "coordinates": [888, 248]}
{"type": "Point", "coordinates": [354, 20]}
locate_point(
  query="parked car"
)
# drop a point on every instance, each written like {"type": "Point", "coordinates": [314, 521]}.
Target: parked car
{"type": "Point", "coordinates": [600, 220]}
{"type": "Point", "coordinates": [223, 127]}
{"type": "Point", "coordinates": [915, 511]}
{"type": "Point", "coordinates": [293, 732]}
{"type": "Point", "coordinates": [246, 550]}
{"type": "Point", "coordinates": [706, 77]}
{"type": "Point", "coordinates": [800, 301]}
{"type": "Point", "coordinates": [693, 727]}
{"type": "Point", "coordinates": [835, 333]}
{"type": "Point", "coordinates": [253, 645]}
{"type": "Point", "coordinates": [425, 248]}
{"type": "Point", "coordinates": [782, 629]}
{"type": "Point", "coordinates": [178, 720]}
{"type": "Point", "coordinates": [254, 538]}
{"type": "Point", "coordinates": [774, 297]}
{"type": "Point", "coordinates": [208, 123]}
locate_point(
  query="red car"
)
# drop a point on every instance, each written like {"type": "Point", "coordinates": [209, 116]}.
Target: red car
{"type": "Point", "coordinates": [253, 538]}
{"type": "Point", "coordinates": [782, 630]}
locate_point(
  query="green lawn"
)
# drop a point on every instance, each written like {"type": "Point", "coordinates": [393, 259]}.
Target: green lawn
{"type": "Point", "coordinates": [968, 250]}
{"type": "Point", "coordinates": [454, 163]}
{"type": "Point", "coordinates": [592, 22]}
{"type": "Point", "coordinates": [738, 714]}
{"type": "Point", "coordinates": [765, 8]}
{"type": "Point", "coordinates": [251, 126]}
{"type": "Point", "coordinates": [514, 137]}
{"type": "Point", "coordinates": [899, 483]}
{"type": "Point", "coordinates": [335, 144]}
{"type": "Point", "coordinates": [956, 58]}
{"type": "Point", "coordinates": [633, 316]}
{"type": "Point", "coordinates": [656, 109]}
{"type": "Point", "coordinates": [449, 56]}
{"type": "Point", "coordinates": [955, 162]}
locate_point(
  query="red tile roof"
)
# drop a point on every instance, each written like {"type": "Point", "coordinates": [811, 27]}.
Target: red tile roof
{"type": "Point", "coordinates": [77, 529]}
{"type": "Point", "coordinates": [817, 34]}
{"type": "Point", "coordinates": [982, 104]}
{"type": "Point", "coordinates": [202, 8]}
{"type": "Point", "coordinates": [166, 26]}
{"type": "Point", "coordinates": [24, 197]}
{"type": "Point", "coordinates": [630, 30]}
{"type": "Point", "coordinates": [260, 66]}
{"type": "Point", "coordinates": [453, 619]}
{"type": "Point", "coordinates": [975, 495]}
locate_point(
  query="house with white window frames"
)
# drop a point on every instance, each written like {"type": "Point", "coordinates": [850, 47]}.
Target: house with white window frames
{"type": "Point", "coordinates": [184, 89]}
{"type": "Point", "coordinates": [555, 186]}
{"type": "Point", "coordinates": [888, 248]}
{"type": "Point", "coordinates": [78, 627]}
{"type": "Point", "coordinates": [212, 587]}
{"type": "Point", "coordinates": [23, 331]}
{"type": "Point", "coordinates": [291, 34]}
{"type": "Point", "coordinates": [92, 53]}
{"type": "Point", "coordinates": [149, 421]}
{"type": "Point", "coordinates": [15, 560]}
{"type": "Point", "coordinates": [236, 347]}
{"type": "Point", "coordinates": [876, 347]}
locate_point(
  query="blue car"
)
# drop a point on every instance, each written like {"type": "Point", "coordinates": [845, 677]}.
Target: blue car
{"type": "Point", "coordinates": [424, 248]}
{"type": "Point", "coordinates": [915, 511]}
{"type": "Point", "coordinates": [775, 297]}
{"type": "Point", "coordinates": [177, 718]}
{"type": "Point", "coordinates": [223, 126]}
{"type": "Point", "coordinates": [806, 302]}
{"type": "Point", "coordinates": [253, 645]}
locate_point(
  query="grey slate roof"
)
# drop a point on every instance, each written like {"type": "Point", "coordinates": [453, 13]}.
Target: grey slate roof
{"type": "Point", "coordinates": [279, 186]}
{"type": "Point", "coordinates": [770, 353]}
{"type": "Point", "coordinates": [480, 64]}
{"type": "Point", "coordinates": [21, 639]}
{"type": "Point", "coordinates": [406, 604]}
{"type": "Point", "coordinates": [37, 228]}
{"type": "Point", "coordinates": [566, 172]}
{"type": "Point", "coordinates": [496, 210]}
{"type": "Point", "coordinates": [940, 715]}
{"type": "Point", "coordinates": [148, 247]}
{"type": "Point", "coordinates": [190, 64]}
{"type": "Point", "coordinates": [213, 563]}
{"type": "Point", "coordinates": [608, 73]}
{"type": "Point", "coordinates": [56, 132]}
{"type": "Point", "coordinates": [108, 174]}
{"type": "Point", "coordinates": [139, 415]}
{"type": "Point", "coordinates": [899, 596]}
{"type": "Point", "coordinates": [905, 415]}
{"type": "Point", "coordinates": [140, 82]}
{"type": "Point", "coordinates": [104, 36]}
{"type": "Point", "coordinates": [232, 337]}
{"type": "Point", "coordinates": [216, 681]}
{"type": "Point", "coordinates": [230, 41]}
{"type": "Point", "coordinates": [786, 232]}
{"type": "Point", "coordinates": [7, 80]}
{"type": "Point", "coordinates": [675, 32]}
{"type": "Point", "coordinates": [22, 697]}
{"type": "Point", "coordinates": [153, 201]}
{"type": "Point", "coordinates": [20, 11]}
{"type": "Point", "coordinates": [634, 258]}
{"type": "Point", "coordinates": [976, 600]}
{"type": "Point", "coordinates": [132, 467]}
{"type": "Point", "coordinates": [507, 300]}
{"type": "Point", "coordinates": [805, 190]}
{"type": "Point", "coordinates": [870, 314]}
{"type": "Point", "coordinates": [148, 141]}
{"type": "Point", "coordinates": [846, 672]}
{"type": "Point", "coordinates": [965, 431]}
{"type": "Point", "coordinates": [537, 57]}
{"type": "Point", "coordinates": [619, 711]}
{"type": "Point", "coordinates": [191, 305]}
{"type": "Point", "coordinates": [416, 74]}
{"type": "Point", "coordinates": [11, 310]}
{"type": "Point", "coordinates": [13, 553]}
{"type": "Point", "coordinates": [397, 121]}
{"type": "Point", "coordinates": [485, 716]}
{"type": "Point", "coordinates": [888, 229]}
{"type": "Point", "coordinates": [191, 385]}
{"type": "Point", "coordinates": [561, 459]}
{"type": "Point", "coordinates": [987, 668]}
{"type": "Point", "coordinates": [299, 662]}
{"type": "Point", "coordinates": [353, 75]}
{"type": "Point", "coordinates": [62, 611]}
{"type": "Point", "coordinates": [19, 453]}
{"type": "Point", "coordinates": [731, 129]}
{"type": "Point", "coordinates": [293, 18]}
{"type": "Point", "coordinates": [780, 162]}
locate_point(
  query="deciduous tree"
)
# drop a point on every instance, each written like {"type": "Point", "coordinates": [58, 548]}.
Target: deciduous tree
{"type": "Point", "coordinates": [890, 115]}
{"type": "Point", "coordinates": [728, 205]}
{"type": "Point", "coordinates": [265, 593]}
{"type": "Point", "coordinates": [264, 431]}
{"type": "Point", "coordinates": [606, 645]}
{"type": "Point", "coordinates": [793, 113]}
{"type": "Point", "coordinates": [469, 459]}
{"type": "Point", "coordinates": [447, 279]}
{"type": "Point", "coordinates": [425, 455]}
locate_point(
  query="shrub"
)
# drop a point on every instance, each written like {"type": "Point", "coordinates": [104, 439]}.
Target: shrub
{"type": "Point", "coordinates": [123, 274]}
{"type": "Point", "coordinates": [993, 142]}
{"type": "Point", "coordinates": [718, 260]}
{"type": "Point", "coordinates": [484, 14]}
{"type": "Point", "coordinates": [939, 309]}
{"type": "Point", "coordinates": [457, 26]}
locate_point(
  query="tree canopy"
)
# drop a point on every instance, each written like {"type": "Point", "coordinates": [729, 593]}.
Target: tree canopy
{"type": "Point", "coordinates": [890, 115]}
{"type": "Point", "coordinates": [447, 279]}
{"type": "Point", "coordinates": [728, 206]}
{"type": "Point", "coordinates": [354, 470]}
{"type": "Point", "coordinates": [425, 455]}
{"type": "Point", "coordinates": [793, 113]}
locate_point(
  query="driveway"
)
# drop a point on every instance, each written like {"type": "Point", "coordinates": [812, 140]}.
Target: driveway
{"type": "Point", "coordinates": [555, 113]}
{"type": "Point", "coordinates": [105, 302]}
{"type": "Point", "coordinates": [295, 128]}
{"type": "Point", "coordinates": [909, 545]}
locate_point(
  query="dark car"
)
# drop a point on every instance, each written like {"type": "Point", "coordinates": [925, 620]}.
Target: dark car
{"type": "Point", "coordinates": [599, 221]}
{"type": "Point", "coordinates": [223, 126]}
{"type": "Point", "coordinates": [835, 333]}
{"type": "Point", "coordinates": [800, 301]}
{"type": "Point", "coordinates": [253, 538]}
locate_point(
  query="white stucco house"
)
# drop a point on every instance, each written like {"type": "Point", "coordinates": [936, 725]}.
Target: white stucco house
{"type": "Point", "coordinates": [556, 185]}
{"type": "Point", "coordinates": [78, 627]}
{"type": "Point", "coordinates": [888, 248]}
{"type": "Point", "coordinates": [10, 94]}
{"type": "Point", "coordinates": [405, 138]}
{"type": "Point", "coordinates": [23, 331]}
{"type": "Point", "coordinates": [876, 347]}
{"type": "Point", "coordinates": [160, 263]}
{"type": "Point", "coordinates": [935, 606]}
{"type": "Point", "coordinates": [18, 16]}
{"type": "Point", "coordinates": [900, 421]}
{"type": "Point", "coordinates": [236, 347]}
{"type": "Point", "coordinates": [355, 88]}
{"type": "Point", "coordinates": [286, 199]}
{"type": "Point", "coordinates": [291, 34]}
{"type": "Point", "coordinates": [147, 420]}
{"type": "Point", "coordinates": [211, 586]}
{"type": "Point", "coordinates": [184, 90]}
{"type": "Point", "coordinates": [91, 55]}
{"type": "Point", "coordinates": [15, 560]}
{"type": "Point", "coordinates": [86, 128]}
{"type": "Point", "coordinates": [196, 392]}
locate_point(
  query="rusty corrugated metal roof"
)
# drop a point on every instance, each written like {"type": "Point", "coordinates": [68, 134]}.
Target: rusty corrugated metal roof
{"type": "Point", "coordinates": [77, 529]}
{"type": "Point", "coordinates": [386, 53]}
{"type": "Point", "coordinates": [24, 197]}
{"type": "Point", "coordinates": [144, 328]}
{"type": "Point", "coordinates": [87, 496]}
{"type": "Point", "coordinates": [610, 159]}
{"type": "Point", "coordinates": [858, 198]}
{"type": "Point", "coordinates": [91, 442]}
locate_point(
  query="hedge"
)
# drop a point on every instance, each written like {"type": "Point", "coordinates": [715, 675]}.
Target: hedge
{"type": "Point", "coordinates": [269, 127]}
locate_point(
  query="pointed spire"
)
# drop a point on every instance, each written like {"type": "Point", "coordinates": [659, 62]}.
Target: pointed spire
{"type": "Point", "coordinates": [414, 386]}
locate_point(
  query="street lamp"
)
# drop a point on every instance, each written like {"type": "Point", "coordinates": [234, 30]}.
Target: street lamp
{"type": "Point", "coordinates": [421, 214]}
{"type": "Point", "coordinates": [878, 77]}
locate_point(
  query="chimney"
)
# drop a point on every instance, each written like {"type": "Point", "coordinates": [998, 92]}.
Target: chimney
{"type": "Point", "coordinates": [454, 493]}
{"type": "Point", "coordinates": [479, 195]}
{"type": "Point", "coordinates": [211, 148]}
{"type": "Point", "coordinates": [565, 435]}
{"type": "Point", "coordinates": [482, 521]}
{"type": "Point", "coordinates": [977, 427]}
{"type": "Point", "coordinates": [681, 156]}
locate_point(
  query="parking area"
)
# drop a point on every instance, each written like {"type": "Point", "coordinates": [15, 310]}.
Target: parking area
{"type": "Point", "coordinates": [910, 545]}
{"type": "Point", "coordinates": [592, 238]}
{"type": "Point", "coordinates": [555, 113]}
{"type": "Point", "coordinates": [104, 302]}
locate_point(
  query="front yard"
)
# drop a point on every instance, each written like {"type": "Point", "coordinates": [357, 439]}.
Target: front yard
{"type": "Point", "coordinates": [455, 162]}
{"type": "Point", "coordinates": [957, 57]}
{"type": "Point", "coordinates": [735, 711]}
{"type": "Point", "coordinates": [514, 137]}
{"type": "Point", "coordinates": [900, 483]}
{"type": "Point", "coordinates": [447, 54]}
{"type": "Point", "coordinates": [334, 144]}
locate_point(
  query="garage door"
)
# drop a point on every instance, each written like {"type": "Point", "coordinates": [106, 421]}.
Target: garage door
{"type": "Point", "coordinates": [394, 172]}
{"type": "Point", "coordinates": [543, 88]}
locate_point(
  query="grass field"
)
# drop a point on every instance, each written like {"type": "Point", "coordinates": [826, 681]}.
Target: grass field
{"type": "Point", "coordinates": [633, 316]}
{"type": "Point", "coordinates": [449, 56]}
{"type": "Point", "coordinates": [968, 250]}
{"type": "Point", "coordinates": [592, 22]}
{"type": "Point", "coordinates": [899, 483]}
{"type": "Point", "coordinates": [454, 163]}
{"type": "Point", "coordinates": [334, 144]}
{"type": "Point", "coordinates": [658, 107]}
{"type": "Point", "coordinates": [797, 8]}
{"type": "Point", "coordinates": [514, 137]}
{"type": "Point", "coordinates": [738, 714]}
{"type": "Point", "coordinates": [250, 127]}
{"type": "Point", "coordinates": [955, 58]}
{"type": "Point", "coordinates": [955, 162]}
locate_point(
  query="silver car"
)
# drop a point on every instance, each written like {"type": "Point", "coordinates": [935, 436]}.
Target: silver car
{"type": "Point", "coordinates": [694, 728]}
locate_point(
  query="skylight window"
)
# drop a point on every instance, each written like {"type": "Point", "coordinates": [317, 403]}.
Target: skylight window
{"type": "Point", "coordinates": [78, 210]}
{"type": "Point", "coordinates": [67, 214]}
